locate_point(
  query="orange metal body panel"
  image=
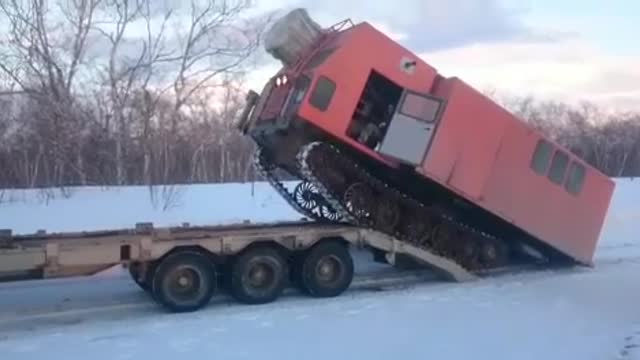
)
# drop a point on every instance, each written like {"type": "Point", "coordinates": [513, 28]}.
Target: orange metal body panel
{"type": "Point", "coordinates": [483, 152]}
{"type": "Point", "coordinates": [479, 151]}
{"type": "Point", "coordinates": [361, 49]}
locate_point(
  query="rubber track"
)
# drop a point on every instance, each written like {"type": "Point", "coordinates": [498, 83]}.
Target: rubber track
{"type": "Point", "coordinates": [259, 163]}
{"type": "Point", "coordinates": [310, 175]}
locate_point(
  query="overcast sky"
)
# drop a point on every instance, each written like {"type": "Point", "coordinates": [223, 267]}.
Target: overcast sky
{"type": "Point", "coordinates": [567, 49]}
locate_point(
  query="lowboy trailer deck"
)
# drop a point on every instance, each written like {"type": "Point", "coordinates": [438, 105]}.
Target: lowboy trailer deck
{"type": "Point", "coordinates": [183, 267]}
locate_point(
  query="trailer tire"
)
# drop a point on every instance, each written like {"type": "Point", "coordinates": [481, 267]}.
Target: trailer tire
{"type": "Point", "coordinates": [327, 270]}
{"type": "Point", "coordinates": [266, 268]}
{"type": "Point", "coordinates": [190, 271]}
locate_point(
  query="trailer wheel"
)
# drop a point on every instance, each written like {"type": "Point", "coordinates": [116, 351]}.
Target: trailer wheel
{"type": "Point", "coordinates": [258, 276]}
{"type": "Point", "coordinates": [327, 270]}
{"type": "Point", "coordinates": [184, 281]}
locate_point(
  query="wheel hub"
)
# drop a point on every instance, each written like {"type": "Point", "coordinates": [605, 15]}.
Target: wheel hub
{"type": "Point", "coordinates": [328, 269]}
{"type": "Point", "coordinates": [261, 276]}
{"type": "Point", "coordinates": [184, 283]}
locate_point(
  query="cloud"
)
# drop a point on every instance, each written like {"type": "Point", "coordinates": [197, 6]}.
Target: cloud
{"type": "Point", "coordinates": [421, 25]}
{"type": "Point", "coordinates": [569, 70]}
{"type": "Point", "coordinates": [572, 70]}
{"type": "Point", "coordinates": [427, 25]}
{"type": "Point", "coordinates": [492, 46]}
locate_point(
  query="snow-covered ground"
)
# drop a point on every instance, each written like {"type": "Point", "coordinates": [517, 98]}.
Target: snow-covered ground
{"type": "Point", "coordinates": [579, 313]}
{"type": "Point", "coordinates": [95, 208]}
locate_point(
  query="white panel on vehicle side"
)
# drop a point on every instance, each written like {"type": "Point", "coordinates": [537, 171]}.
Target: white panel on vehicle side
{"type": "Point", "coordinates": [407, 139]}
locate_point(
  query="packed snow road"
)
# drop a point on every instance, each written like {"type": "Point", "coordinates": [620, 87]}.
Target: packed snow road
{"type": "Point", "coordinates": [570, 314]}
{"type": "Point", "coordinates": [113, 295]}
{"type": "Point", "coordinates": [573, 313]}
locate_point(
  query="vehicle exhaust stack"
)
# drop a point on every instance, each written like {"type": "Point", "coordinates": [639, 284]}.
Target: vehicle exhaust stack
{"type": "Point", "coordinates": [291, 35]}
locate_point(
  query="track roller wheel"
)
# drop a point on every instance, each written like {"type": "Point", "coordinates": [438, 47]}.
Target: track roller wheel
{"type": "Point", "coordinates": [258, 276]}
{"type": "Point", "coordinates": [387, 214]}
{"type": "Point", "coordinates": [327, 269]}
{"type": "Point", "coordinates": [493, 253]}
{"type": "Point", "coordinates": [357, 199]}
{"type": "Point", "coordinates": [184, 281]}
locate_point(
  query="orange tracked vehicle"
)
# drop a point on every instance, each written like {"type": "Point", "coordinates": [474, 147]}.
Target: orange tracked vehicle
{"type": "Point", "coordinates": [380, 139]}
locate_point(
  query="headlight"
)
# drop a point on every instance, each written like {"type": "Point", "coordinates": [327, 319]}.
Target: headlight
{"type": "Point", "coordinates": [281, 80]}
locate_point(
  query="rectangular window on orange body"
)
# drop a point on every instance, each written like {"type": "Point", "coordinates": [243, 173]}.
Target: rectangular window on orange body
{"type": "Point", "coordinates": [541, 157]}
{"type": "Point", "coordinates": [420, 107]}
{"type": "Point", "coordinates": [322, 93]}
{"type": "Point", "coordinates": [558, 167]}
{"type": "Point", "coordinates": [575, 180]}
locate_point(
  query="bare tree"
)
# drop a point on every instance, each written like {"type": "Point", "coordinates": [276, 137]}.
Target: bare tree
{"type": "Point", "coordinates": [125, 76]}
{"type": "Point", "coordinates": [606, 141]}
{"type": "Point", "coordinates": [41, 56]}
{"type": "Point", "coordinates": [94, 96]}
{"type": "Point", "coordinates": [215, 42]}
{"type": "Point", "coordinates": [103, 92]}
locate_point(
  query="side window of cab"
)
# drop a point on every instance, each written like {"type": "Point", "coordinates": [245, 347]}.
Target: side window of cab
{"type": "Point", "coordinates": [322, 93]}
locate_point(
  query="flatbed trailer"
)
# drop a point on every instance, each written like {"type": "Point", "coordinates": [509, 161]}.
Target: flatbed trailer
{"type": "Point", "coordinates": [183, 267]}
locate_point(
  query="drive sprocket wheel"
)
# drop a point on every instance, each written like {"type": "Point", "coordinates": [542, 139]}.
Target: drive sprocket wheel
{"type": "Point", "coordinates": [329, 213]}
{"type": "Point", "coordinates": [306, 195]}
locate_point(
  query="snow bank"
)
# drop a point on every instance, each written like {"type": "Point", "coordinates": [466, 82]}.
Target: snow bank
{"type": "Point", "coordinates": [622, 225]}
{"type": "Point", "coordinates": [93, 208]}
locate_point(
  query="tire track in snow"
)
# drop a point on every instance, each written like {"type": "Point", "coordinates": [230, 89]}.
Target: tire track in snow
{"type": "Point", "coordinates": [631, 344]}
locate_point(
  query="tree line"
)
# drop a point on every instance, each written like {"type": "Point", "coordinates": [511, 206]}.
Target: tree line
{"type": "Point", "coordinates": [119, 92]}
{"type": "Point", "coordinates": [85, 102]}
{"type": "Point", "coordinates": [201, 146]}
{"type": "Point", "coordinates": [608, 140]}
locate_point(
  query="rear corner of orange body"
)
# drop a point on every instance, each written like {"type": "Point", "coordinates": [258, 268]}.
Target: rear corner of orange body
{"type": "Point", "coordinates": [483, 152]}
{"type": "Point", "coordinates": [480, 150]}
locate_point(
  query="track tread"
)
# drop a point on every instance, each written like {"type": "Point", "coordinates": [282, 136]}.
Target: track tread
{"type": "Point", "coordinates": [261, 166]}
{"type": "Point", "coordinates": [310, 175]}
